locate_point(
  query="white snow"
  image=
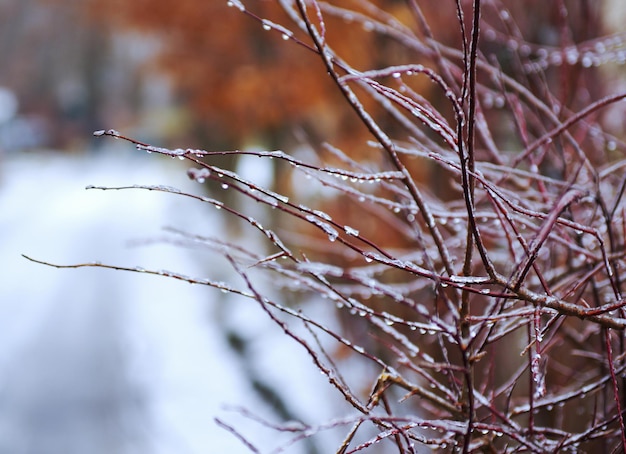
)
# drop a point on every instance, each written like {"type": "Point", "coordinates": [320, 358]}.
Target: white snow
{"type": "Point", "coordinates": [96, 360]}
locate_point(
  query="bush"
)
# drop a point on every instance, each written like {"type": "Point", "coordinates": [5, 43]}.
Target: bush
{"type": "Point", "coordinates": [469, 251]}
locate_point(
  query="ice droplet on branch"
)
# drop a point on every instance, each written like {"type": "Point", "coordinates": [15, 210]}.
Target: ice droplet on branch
{"type": "Point", "coordinates": [351, 231]}
{"type": "Point", "coordinates": [269, 25]}
{"type": "Point", "coordinates": [327, 228]}
{"type": "Point", "coordinates": [237, 4]}
{"type": "Point", "coordinates": [199, 175]}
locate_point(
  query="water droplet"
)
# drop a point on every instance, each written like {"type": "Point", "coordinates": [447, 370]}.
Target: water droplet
{"type": "Point", "coordinates": [237, 4]}
{"type": "Point", "coordinates": [199, 175]}
{"type": "Point", "coordinates": [556, 58]}
{"type": "Point", "coordinates": [524, 50]}
{"type": "Point", "coordinates": [571, 56]}
{"type": "Point", "coordinates": [224, 186]}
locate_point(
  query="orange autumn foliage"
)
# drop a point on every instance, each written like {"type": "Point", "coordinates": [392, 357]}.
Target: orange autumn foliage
{"type": "Point", "coordinates": [245, 82]}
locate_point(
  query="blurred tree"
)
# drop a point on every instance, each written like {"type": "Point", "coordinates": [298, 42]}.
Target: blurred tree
{"type": "Point", "coordinates": [63, 71]}
{"type": "Point", "coordinates": [247, 83]}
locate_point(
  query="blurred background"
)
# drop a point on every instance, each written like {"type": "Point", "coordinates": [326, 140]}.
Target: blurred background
{"type": "Point", "coordinates": [98, 361]}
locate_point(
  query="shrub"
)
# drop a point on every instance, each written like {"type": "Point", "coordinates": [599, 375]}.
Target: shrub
{"type": "Point", "coordinates": [469, 251]}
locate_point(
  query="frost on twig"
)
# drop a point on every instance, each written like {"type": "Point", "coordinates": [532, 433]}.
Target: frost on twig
{"type": "Point", "coordinates": [469, 255]}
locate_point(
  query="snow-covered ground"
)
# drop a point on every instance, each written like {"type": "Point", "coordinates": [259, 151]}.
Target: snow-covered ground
{"type": "Point", "coordinates": [101, 361]}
